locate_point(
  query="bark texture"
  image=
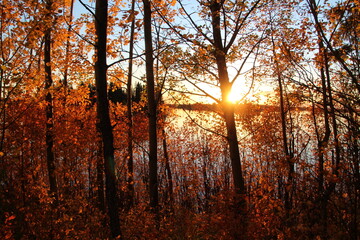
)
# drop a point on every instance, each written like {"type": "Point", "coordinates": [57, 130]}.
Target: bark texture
{"type": "Point", "coordinates": [50, 159]}
{"type": "Point", "coordinates": [104, 124]}
{"type": "Point", "coordinates": [153, 175]}
{"type": "Point", "coordinates": [130, 162]}
{"type": "Point", "coordinates": [225, 85]}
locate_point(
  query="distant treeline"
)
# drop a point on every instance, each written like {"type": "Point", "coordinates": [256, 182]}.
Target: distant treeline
{"type": "Point", "coordinates": [239, 108]}
{"type": "Point", "coordinates": [118, 94]}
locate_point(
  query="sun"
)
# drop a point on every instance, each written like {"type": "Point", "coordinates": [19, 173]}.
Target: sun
{"type": "Point", "coordinates": [234, 96]}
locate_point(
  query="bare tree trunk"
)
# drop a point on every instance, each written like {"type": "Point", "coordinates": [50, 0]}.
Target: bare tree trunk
{"type": "Point", "coordinates": [323, 143]}
{"type": "Point", "coordinates": [50, 158]}
{"type": "Point", "coordinates": [104, 124]}
{"type": "Point", "coordinates": [320, 31]}
{"type": "Point", "coordinates": [287, 152]}
{"type": "Point", "coordinates": [168, 169]}
{"type": "Point", "coordinates": [64, 101]}
{"type": "Point", "coordinates": [153, 175]}
{"type": "Point", "coordinates": [2, 110]}
{"type": "Point", "coordinates": [229, 116]}
{"type": "Point", "coordinates": [206, 182]}
{"type": "Point", "coordinates": [67, 53]}
{"type": "Point", "coordinates": [100, 178]}
{"type": "Point", "coordinates": [228, 108]}
{"type": "Point", "coordinates": [354, 223]}
{"type": "Point", "coordinates": [130, 162]}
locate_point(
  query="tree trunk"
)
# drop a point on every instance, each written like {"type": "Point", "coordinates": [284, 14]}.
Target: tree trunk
{"type": "Point", "coordinates": [320, 31]}
{"type": "Point", "coordinates": [130, 162]}
{"type": "Point", "coordinates": [67, 50]}
{"type": "Point", "coordinates": [323, 143]}
{"type": "Point", "coordinates": [50, 159]}
{"type": "Point", "coordinates": [100, 178]}
{"type": "Point", "coordinates": [153, 183]}
{"type": "Point", "coordinates": [228, 108]}
{"type": "Point", "coordinates": [354, 229]}
{"type": "Point", "coordinates": [168, 169]}
{"type": "Point", "coordinates": [219, 52]}
{"type": "Point", "coordinates": [288, 156]}
{"type": "Point", "coordinates": [287, 152]}
{"type": "Point", "coordinates": [103, 116]}
{"type": "Point", "coordinates": [64, 145]}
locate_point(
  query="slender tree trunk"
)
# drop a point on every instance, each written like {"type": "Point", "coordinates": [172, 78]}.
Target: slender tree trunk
{"type": "Point", "coordinates": [64, 101]}
{"type": "Point", "coordinates": [354, 232]}
{"type": "Point", "coordinates": [229, 116]}
{"type": "Point", "coordinates": [287, 152]}
{"type": "Point", "coordinates": [130, 162]}
{"type": "Point", "coordinates": [288, 156]}
{"type": "Point", "coordinates": [100, 178]}
{"type": "Point", "coordinates": [153, 183]}
{"type": "Point", "coordinates": [104, 124]}
{"type": "Point", "coordinates": [205, 168]}
{"type": "Point", "coordinates": [2, 109]}
{"type": "Point", "coordinates": [168, 169]}
{"type": "Point", "coordinates": [50, 158]}
{"type": "Point", "coordinates": [334, 124]}
{"type": "Point", "coordinates": [314, 11]}
{"type": "Point", "coordinates": [323, 142]}
{"type": "Point", "coordinates": [67, 53]}
{"type": "Point", "coordinates": [228, 108]}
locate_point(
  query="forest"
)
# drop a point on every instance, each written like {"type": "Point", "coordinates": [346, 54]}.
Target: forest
{"type": "Point", "coordinates": [180, 119]}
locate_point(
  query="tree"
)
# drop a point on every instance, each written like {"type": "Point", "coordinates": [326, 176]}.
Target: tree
{"type": "Point", "coordinates": [50, 158]}
{"type": "Point", "coordinates": [339, 56]}
{"type": "Point", "coordinates": [103, 116]}
{"type": "Point", "coordinates": [150, 86]}
{"type": "Point", "coordinates": [217, 37]}
{"type": "Point", "coordinates": [327, 48]}
{"type": "Point", "coordinates": [289, 155]}
{"type": "Point", "coordinates": [225, 85]}
{"type": "Point", "coordinates": [130, 164]}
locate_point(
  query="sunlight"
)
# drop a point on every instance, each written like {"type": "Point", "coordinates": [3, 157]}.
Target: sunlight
{"type": "Point", "coordinates": [240, 92]}
{"type": "Point", "coordinates": [234, 96]}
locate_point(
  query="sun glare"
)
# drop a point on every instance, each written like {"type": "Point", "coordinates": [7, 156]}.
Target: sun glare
{"type": "Point", "coordinates": [234, 96]}
{"type": "Point", "coordinates": [239, 92]}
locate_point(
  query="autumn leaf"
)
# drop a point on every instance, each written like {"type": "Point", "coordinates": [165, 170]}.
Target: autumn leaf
{"type": "Point", "coordinates": [12, 217]}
